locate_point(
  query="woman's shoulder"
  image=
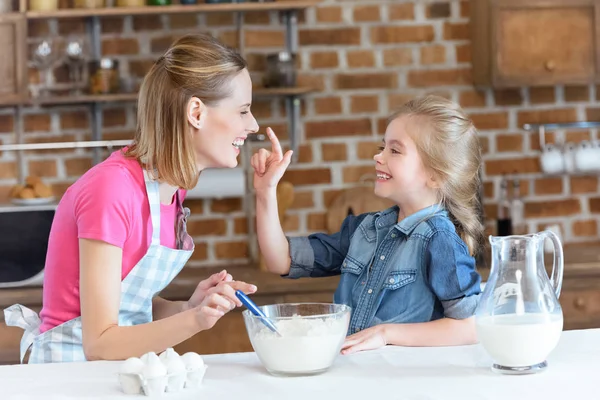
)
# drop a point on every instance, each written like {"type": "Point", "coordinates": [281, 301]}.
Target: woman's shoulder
{"type": "Point", "coordinates": [115, 171]}
{"type": "Point", "coordinates": [111, 180]}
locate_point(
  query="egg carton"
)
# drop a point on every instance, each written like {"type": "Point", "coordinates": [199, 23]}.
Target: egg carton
{"type": "Point", "coordinates": [169, 383]}
{"type": "Point", "coordinates": [153, 375]}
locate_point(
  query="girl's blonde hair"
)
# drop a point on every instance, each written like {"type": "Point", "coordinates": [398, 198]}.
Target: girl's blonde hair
{"type": "Point", "coordinates": [195, 65]}
{"type": "Point", "coordinates": [449, 146]}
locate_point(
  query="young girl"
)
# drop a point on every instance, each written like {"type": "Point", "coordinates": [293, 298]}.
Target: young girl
{"type": "Point", "coordinates": [119, 233]}
{"type": "Point", "coordinates": [407, 272]}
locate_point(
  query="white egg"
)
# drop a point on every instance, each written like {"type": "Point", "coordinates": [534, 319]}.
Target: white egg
{"type": "Point", "coordinates": [130, 384]}
{"type": "Point", "coordinates": [132, 365]}
{"type": "Point", "coordinates": [129, 376]}
{"type": "Point", "coordinates": [154, 368]}
{"type": "Point", "coordinates": [146, 356]}
{"type": "Point", "coordinates": [192, 361]}
{"type": "Point", "coordinates": [167, 355]}
{"type": "Point", "coordinates": [177, 374]}
{"type": "Point", "coordinates": [175, 365]}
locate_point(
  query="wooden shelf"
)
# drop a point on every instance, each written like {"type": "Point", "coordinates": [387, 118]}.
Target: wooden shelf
{"type": "Point", "coordinates": [89, 98]}
{"type": "Point", "coordinates": [285, 91]}
{"type": "Point", "coordinates": [123, 97]}
{"type": "Point", "coordinates": [173, 9]}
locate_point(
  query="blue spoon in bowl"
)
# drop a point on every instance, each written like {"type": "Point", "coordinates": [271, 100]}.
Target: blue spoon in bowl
{"type": "Point", "coordinates": [254, 309]}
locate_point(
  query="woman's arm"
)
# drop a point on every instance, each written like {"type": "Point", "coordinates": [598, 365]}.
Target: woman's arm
{"type": "Point", "coordinates": [100, 292]}
{"type": "Point", "coordinates": [163, 308]}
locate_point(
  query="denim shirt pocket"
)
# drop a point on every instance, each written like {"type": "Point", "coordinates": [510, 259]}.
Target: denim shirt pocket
{"type": "Point", "coordinates": [400, 278]}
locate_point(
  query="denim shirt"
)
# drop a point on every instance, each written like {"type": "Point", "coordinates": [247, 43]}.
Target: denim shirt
{"type": "Point", "coordinates": [415, 270]}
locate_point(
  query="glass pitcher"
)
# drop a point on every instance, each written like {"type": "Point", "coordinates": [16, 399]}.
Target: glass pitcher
{"type": "Point", "coordinates": [519, 319]}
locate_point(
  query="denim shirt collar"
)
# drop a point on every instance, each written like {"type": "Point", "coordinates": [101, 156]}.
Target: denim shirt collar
{"type": "Point", "coordinates": [389, 217]}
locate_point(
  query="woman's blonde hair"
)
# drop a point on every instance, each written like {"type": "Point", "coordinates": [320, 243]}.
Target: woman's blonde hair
{"type": "Point", "coordinates": [448, 145]}
{"type": "Point", "coordinates": [195, 65]}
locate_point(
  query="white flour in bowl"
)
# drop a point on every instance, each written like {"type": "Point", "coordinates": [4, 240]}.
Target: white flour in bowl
{"type": "Point", "coordinates": [306, 345]}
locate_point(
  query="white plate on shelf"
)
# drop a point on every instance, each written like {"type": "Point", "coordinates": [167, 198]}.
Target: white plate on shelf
{"type": "Point", "coordinates": [33, 202]}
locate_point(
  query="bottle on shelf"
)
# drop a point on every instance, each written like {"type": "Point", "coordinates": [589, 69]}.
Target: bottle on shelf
{"type": "Point", "coordinates": [517, 210]}
{"type": "Point", "coordinates": [503, 222]}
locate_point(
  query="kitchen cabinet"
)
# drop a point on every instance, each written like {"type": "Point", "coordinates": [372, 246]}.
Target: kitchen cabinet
{"type": "Point", "coordinates": [535, 43]}
{"type": "Point", "coordinates": [13, 65]}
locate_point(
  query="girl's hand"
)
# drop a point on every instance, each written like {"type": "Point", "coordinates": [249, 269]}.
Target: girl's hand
{"type": "Point", "coordinates": [368, 339]}
{"type": "Point", "coordinates": [211, 282]}
{"type": "Point", "coordinates": [269, 166]}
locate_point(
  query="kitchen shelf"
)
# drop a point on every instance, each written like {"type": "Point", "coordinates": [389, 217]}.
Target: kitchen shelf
{"type": "Point", "coordinates": [172, 9]}
{"type": "Point", "coordinates": [542, 128]}
{"type": "Point", "coordinates": [122, 97]}
{"type": "Point", "coordinates": [90, 98]}
{"type": "Point", "coordinates": [9, 207]}
{"type": "Point", "coordinates": [65, 145]}
{"type": "Point", "coordinates": [17, 96]}
{"type": "Point", "coordinates": [284, 91]}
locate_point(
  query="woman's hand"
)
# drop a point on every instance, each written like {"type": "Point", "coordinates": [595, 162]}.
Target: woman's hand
{"type": "Point", "coordinates": [368, 339]}
{"type": "Point", "coordinates": [219, 300]}
{"type": "Point", "coordinates": [269, 166]}
{"type": "Point", "coordinates": [211, 282]}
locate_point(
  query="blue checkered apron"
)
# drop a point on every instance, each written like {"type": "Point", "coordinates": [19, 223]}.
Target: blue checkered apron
{"type": "Point", "coordinates": [150, 275]}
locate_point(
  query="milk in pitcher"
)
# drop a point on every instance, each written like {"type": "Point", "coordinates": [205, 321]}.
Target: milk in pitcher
{"type": "Point", "coordinates": [514, 340]}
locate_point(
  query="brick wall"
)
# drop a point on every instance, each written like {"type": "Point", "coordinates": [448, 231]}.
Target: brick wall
{"type": "Point", "coordinates": [366, 57]}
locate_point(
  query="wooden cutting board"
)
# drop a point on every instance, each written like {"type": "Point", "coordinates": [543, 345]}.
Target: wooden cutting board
{"type": "Point", "coordinates": [356, 200]}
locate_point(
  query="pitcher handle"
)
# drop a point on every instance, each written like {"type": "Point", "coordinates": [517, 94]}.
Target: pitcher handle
{"type": "Point", "coordinates": [558, 263]}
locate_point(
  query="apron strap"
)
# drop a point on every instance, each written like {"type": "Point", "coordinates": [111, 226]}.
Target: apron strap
{"type": "Point", "coordinates": [154, 201]}
{"type": "Point", "coordinates": [27, 319]}
{"type": "Point", "coordinates": [184, 241]}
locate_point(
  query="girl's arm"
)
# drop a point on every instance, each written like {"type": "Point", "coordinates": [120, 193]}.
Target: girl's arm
{"type": "Point", "coordinates": [441, 332]}
{"type": "Point", "coordinates": [100, 289]}
{"type": "Point", "coordinates": [316, 255]}
{"type": "Point", "coordinates": [269, 167]}
{"type": "Point", "coordinates": [271, 239]}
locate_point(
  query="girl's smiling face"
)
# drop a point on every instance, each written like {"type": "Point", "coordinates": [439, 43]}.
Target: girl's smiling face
{"type": "Point", "coordinates": [401, 175]}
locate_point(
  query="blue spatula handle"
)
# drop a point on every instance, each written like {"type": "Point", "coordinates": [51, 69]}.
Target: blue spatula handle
{"type": "Point", "coordinates": [246, 301]}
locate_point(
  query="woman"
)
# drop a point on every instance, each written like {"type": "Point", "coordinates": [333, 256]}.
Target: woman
{"type": "Point", "coordinates": [119, 237]}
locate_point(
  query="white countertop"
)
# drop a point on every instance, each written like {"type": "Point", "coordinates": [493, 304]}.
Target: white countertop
{"type": "Point", "coordinates": [391, 373]}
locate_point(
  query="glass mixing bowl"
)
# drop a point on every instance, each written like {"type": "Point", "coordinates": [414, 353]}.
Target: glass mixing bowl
{"type": "Point", "coordinates": [312, 336]}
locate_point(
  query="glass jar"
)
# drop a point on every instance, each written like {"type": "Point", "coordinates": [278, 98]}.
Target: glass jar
{"type": "Point", "coordinates": [159, 2]}
{"type": "Point", "coordinates": [6, 6]}
{"type": "Point", "coordinates": [43, 5]}
{"type": "Point", "coordinates": [89, 3]}
{"type": "Point", "coordinates": [281, 70]}
{"type": "Point", "coordinates": [104, 76]}
{"type": "Point", "coordinates": [131, 3]}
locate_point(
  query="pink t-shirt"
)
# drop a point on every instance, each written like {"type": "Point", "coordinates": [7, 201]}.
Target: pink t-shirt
{"type": "Point", "coordinates": [108, 203]}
